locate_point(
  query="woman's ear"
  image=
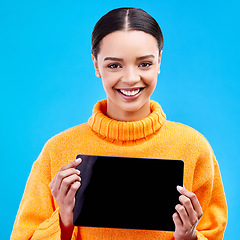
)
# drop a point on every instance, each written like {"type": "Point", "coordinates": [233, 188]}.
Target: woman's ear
{"type": "Point", "coordinates": [159, 61]}
{"type": "Point", "coordinates": [95, 63]}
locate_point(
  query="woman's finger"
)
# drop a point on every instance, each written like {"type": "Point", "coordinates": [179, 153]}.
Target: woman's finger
{"type": "Point", "coordinates": [51, 184]}
{"type": "Point", "coordinates": [63, 173]}
{"type": "Point", "coordinates": [180, 230]}
{"type": "Point", "coordinates": [177, 221]}
{"type": "Point", "coordinates": [195, 203]}
{"type": "Point", "coordinates": [72, 164]}
{"type": "Point", "coordinates": [59, 178]}
{"type": "Point", "coordinates": [192, 214]}
{"type": "Point", "coordinates": [73, 189]}
{"type": "Point", "coordinates": [66, 185]}
{"type": "Point", "coordinates": [183, 216]}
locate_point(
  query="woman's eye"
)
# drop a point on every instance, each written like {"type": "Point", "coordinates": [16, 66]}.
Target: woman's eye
{"type": "Point", "coordinates": [145, 64]}
{"type": "Point", "coordinates": [115, 65]}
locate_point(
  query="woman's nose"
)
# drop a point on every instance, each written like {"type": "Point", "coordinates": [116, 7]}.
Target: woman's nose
{"type": "Point", "coordinates": [131, 76]}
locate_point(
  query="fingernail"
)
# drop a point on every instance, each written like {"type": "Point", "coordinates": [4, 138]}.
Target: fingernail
{"type": "Point", "coordinates": [78, 172]}
{"type": "Point", "coordinates": [179, 188]}
{"type": "Point", "coordinates": [78, 160]}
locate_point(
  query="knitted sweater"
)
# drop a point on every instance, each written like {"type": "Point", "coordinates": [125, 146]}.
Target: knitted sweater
{"type": "Point", "coordinates": [153, 137]}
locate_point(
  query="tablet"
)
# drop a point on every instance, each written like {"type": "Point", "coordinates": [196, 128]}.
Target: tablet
{"type": "Point", "coordinates": [127, 192]}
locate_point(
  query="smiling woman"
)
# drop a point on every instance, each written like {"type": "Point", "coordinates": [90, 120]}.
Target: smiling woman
{"type": "Point", "coordinates": [126, 51]}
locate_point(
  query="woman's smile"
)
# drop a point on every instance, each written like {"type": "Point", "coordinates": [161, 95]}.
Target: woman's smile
{"type": "Point", "coordinates": [130, 94]}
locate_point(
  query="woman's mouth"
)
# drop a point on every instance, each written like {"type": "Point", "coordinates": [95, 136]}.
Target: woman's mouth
{"type": "Point", "coordinates": [130, 94]}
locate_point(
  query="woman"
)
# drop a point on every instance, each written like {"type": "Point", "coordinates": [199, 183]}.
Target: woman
{"type": "Point", "coordinates": [126, 51]}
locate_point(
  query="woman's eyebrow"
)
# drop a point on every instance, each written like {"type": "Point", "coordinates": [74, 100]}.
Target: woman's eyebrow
{"type": "Point", "coordinates": [146, 56]}
{"type": "Point", "coordinates": [121, 59]}
{"type": "Point", "coordinates": [113, 59]}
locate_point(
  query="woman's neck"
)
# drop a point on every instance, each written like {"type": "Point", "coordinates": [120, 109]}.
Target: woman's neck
{"type": "Point", "coordinates": [123, 115]}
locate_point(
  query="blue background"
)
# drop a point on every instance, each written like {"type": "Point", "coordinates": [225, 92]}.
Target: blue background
{"type": "Point", "coordinates": [48, 82]}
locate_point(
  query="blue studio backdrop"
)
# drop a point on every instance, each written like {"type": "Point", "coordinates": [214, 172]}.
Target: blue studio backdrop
{"type": "Point", "coordinates": [48, 82]}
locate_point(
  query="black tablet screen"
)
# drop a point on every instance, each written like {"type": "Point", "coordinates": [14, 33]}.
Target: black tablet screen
{"type": "Point", "coordinates": [131, 193]}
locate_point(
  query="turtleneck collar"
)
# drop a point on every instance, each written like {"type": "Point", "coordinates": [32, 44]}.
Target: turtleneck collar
{"type": "Point", "coordinates": [118, 131]}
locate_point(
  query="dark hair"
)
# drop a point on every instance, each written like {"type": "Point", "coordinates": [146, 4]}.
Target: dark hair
{"type": "Point", "coordinates": [128, 19]}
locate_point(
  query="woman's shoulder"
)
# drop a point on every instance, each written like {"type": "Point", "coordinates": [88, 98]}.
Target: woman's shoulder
{"type": "Point", "coordinates": [68, 136]}
{"type": "Point", "coordinates": [186, 134]}
{"type": "Point", "coordinates": [182, 129]}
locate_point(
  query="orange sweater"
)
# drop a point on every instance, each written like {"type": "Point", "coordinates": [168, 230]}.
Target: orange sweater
{"type": "Point", "coordinates": [152, 137]}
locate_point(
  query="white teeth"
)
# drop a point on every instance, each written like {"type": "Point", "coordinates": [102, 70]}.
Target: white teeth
{"type": "Point", "coordinates": [130, 93]}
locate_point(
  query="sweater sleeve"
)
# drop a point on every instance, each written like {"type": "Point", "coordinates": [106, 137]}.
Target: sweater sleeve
{"type": "Point", "coordinates": [37, 217]}
{"type": "Point", "coordinates": [209, 189]}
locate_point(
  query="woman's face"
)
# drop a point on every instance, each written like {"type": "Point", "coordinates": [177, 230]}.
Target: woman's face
{"type": "Point", "coordinates": [128, 63]}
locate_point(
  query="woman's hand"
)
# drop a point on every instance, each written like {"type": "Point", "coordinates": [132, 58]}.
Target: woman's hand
{"type": "Point", "coordinates": [187, 216]}
{"type": "Point", "coordinates": [63, 188]}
